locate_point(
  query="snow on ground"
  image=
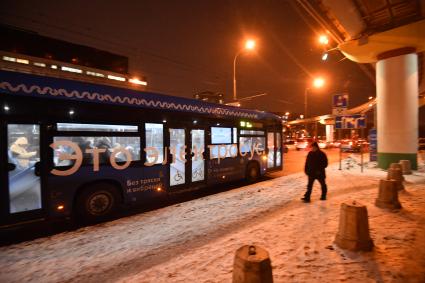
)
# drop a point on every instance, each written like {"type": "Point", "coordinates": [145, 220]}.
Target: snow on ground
{"type": "Point", "coordinates": [195, 241]}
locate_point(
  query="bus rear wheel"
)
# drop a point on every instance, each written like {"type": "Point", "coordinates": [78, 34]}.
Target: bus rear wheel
{"type": "Point", "coordinates": [252, 172]}
{"type": "Point", "coordinates": [97, 202]}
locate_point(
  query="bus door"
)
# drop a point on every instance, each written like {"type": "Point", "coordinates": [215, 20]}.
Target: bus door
{"type": "Point", "coordinates": [274, 148]}
{"type": "Point", "coordinates": [186, 163]}
{"type": "Point", "coordinates": [21, 193]}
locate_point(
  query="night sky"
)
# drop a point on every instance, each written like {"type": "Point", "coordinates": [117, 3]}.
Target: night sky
{"type": "Point", "coordinates": [185, 47]}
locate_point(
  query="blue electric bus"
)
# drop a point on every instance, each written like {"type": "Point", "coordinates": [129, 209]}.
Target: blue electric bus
{"type": "Point", "coordinates": [70, 147]}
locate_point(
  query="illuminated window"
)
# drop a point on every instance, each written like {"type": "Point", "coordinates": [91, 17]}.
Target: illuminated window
{"type": "Point", "coordinates": [22, 61]}
{"type": "Point", "coordinates": [221, 135]}
{"type": "Point", "coordinates": [252, 133]}
{"type": "Point", "coordinates": [246, 143]}
{"type": "Point", "coordinates": [155, 138]}
{"type": "Point", "coordinates": [95, 127]}
{"type": "Point", "coordinates": [279, 150]}
{"type": "Point", "coordinates": [116, 78]}
{"type": "Point", "coordinates": [271, 148]}
{"type": "Point", "coordinates": [10, 59]}
{"type": "Point", "coordinates": [39, 64]}
{"type": "Point", "coordinates": [129, 144]}
{"type": "Point", "coordinates": [95, 74]}
{"type": "Point", "coordinates": [137, 82]}
{"type": "Point", "coordinates": [72, 70]}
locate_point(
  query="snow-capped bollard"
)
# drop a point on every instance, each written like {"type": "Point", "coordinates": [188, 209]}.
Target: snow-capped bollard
{"type": "Point", "coordinates": [396, 174]}
{"type": "Point", "coordinates": [406, 167]}
{"type": "Point", "coordinates": [388, 194]}
{"type": "Point", "coordinates": [353, 230]}
{"type": "Point", "coordinates": [251, 265]}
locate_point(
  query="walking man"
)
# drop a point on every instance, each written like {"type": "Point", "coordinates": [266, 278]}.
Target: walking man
{"type": "Point", "coordinates": [315, 165]}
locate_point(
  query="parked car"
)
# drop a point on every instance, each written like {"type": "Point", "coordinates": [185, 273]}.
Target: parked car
{"type": "Point", "coordinates": [322, 144]}
{"type": "Point", "coordinates": [303, 143]}
{"type": "Point", "coordinates": [289, 143]}
{"type": "Point", "coordinates": [334, 144]}
{"type": "Point", "coordinates": [356, 145]}
{"type": "Point", "coordinates": [348, 145]}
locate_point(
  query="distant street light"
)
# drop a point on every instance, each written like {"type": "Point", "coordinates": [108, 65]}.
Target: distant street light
{"type": "Point", "coordinates": [323, 39]}
{"type": "Point", "coordinates": [318, 82]}
{"type": "Point", "coordinates": [249, 45]}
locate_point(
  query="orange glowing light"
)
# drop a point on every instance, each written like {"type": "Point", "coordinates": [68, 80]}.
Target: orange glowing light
{"type": "Point", "coordinates": [323, 39]}
{"type": "Point", "coordinates": [318, 82]}
{"type": "Point", "coordinates": [137, 81]}
{"type": "Point", "coordinates": [60, 207]}
{"type": "Point", "coordinates": [250, 44]}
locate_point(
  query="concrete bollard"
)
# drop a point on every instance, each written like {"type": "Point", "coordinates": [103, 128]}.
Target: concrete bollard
{"type": "Point", "coordinates": [388, 194]}
{"type": "Point", "coordinates": [353, 230]}
{"type": "Point", "coordinates": [396, 174]}
{"type": "Point", "coordinates": [406, 167]}
{"type": "Point", "coordinates": [251, 265]}
{"type": "Point", "coordinates": [395, 166]}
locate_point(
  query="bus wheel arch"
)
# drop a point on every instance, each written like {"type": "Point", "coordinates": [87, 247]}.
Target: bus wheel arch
{"type": "Point", "coordinates": [97, 201]}
{"type": "Point", "coordinates": [252, 171]}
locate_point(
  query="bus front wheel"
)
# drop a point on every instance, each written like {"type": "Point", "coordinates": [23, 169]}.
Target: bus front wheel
{"type": "Point", "coordinates": [252, 172]}
{"type": "Point", "coordinates": [97, 202]}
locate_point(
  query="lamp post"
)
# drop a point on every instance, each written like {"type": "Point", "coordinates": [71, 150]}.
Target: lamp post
{"type": "Point", "coordinates": [249, 45]}
{"type": "Point", "coordinates": [318, 82]}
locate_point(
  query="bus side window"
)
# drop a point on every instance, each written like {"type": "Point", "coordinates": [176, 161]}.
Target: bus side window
{"type": "Point", "coordinates": [123, 144]}
{"type": "Point", "coordinates": [155, 138]}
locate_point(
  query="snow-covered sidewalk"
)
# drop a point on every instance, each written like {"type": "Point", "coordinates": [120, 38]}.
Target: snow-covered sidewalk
{"type": "Point", "coordinates": [195, 241]}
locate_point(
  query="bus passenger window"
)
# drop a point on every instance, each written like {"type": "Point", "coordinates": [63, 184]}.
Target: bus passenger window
{"type": "Point", "coordinates": [247, 143]}
{"type": "Point", "coordinates": [24, 154]}
{"type": "Point", "coordinates": [124, 146]}
{"type": "Point", "coordinates": [221, 135]}
{"type": "Point", "coordinates": [155, 138]}
{"type": "Point", "coordinates": [279, 149]}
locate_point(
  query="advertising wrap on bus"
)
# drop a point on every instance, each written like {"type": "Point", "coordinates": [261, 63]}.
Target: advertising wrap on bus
{"type": "Point", "coordinates": [71, 154]}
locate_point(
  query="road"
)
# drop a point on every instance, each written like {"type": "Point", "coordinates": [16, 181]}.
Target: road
{"type": "Point", "coordinates": [294, 161]}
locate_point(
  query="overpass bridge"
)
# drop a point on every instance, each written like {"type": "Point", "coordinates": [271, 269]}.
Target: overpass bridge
{"type": "Point", "coordinates": [330, 119]}
{"type": "Point", "coordinates": [387, 39]}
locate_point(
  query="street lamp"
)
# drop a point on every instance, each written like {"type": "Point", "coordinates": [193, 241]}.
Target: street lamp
{"type": "Point", "coordinates": [249, 45]}
{"type": "Point", "coordinates": [323, 39]}
{"type": "Point", "coordinates": [318, 82]}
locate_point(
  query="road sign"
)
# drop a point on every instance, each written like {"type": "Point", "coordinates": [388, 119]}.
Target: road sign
{"type": "Point", "coordinates": [340, 104]}
{"type": "Point", "coordinates": [339, 111]}
{"type": "Point", "coordinates": [340, 100]}
{"type": "Point", "coordinates": [350, 121]}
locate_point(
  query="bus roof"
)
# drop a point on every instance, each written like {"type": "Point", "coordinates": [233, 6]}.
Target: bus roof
{"type": "Point", "coordinates": [22, 84]}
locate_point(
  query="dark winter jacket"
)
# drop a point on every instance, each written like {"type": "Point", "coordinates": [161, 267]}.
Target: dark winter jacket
{"type": "Point", "coordinates": [315, 164]}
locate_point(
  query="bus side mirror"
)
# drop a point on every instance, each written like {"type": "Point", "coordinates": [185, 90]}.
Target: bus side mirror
{"type": "Point", "coordinates": [11, 166]}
